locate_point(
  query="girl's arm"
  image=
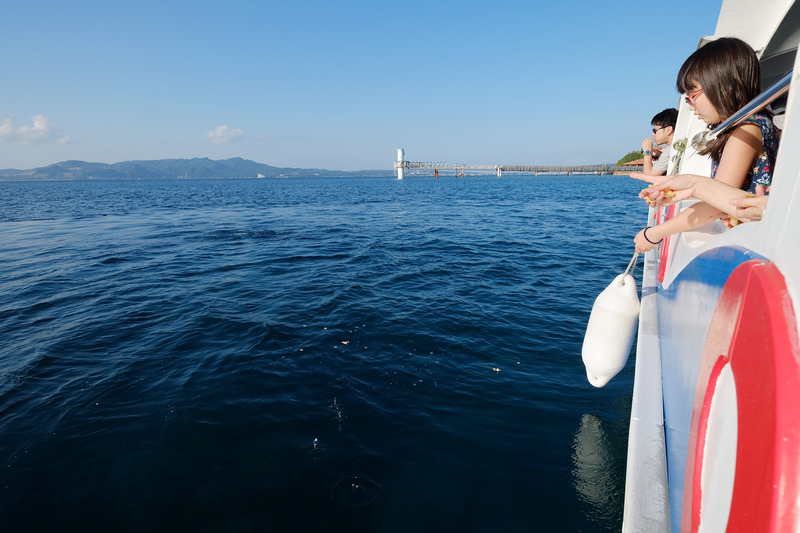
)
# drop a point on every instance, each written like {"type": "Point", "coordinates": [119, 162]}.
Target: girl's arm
{"type": "Point", "coordinates": [739, 154]}
{"type": "Point", "coordinates": [692, 217]}
{"type": "Point", "coordinates": [686, 186]}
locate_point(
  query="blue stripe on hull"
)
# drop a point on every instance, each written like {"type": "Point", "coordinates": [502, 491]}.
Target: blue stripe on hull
{"type": "Point", "coordinates": [685, 309]}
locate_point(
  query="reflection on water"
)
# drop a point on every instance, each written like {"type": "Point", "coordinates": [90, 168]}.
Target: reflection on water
{"type": "Point", "coordinates": [598, 473]}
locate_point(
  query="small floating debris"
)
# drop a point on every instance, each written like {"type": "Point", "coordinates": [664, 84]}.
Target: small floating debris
{"type": "Point", "coordinates": [354, 492]}
{"type": "Point", "coordinates": [496, 370]}
{"type": "Point", "coordinates": [316, 451]}
{"type": "Point", "coordinates": [338, 417]}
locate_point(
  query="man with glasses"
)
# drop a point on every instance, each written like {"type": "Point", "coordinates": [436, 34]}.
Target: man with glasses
{"type": "Point", "coordinates": [656, 161]}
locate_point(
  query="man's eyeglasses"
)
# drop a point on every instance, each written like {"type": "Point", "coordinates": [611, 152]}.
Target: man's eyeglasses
{"type": "Point", "coordinates": [661, 128]}
{"type": "Point", "coordinates": [690, 99]}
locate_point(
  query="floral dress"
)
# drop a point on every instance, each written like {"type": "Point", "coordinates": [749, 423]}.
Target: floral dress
{"type": "Point", "coordinates": [761, 173]}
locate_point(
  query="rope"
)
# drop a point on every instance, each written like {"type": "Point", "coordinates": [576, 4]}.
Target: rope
{"type": "Point", "coordinates": [632, 264]}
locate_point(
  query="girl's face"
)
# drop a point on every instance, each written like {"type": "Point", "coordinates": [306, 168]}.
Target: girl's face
{"type": "Point", "coordinates": [701, 106]}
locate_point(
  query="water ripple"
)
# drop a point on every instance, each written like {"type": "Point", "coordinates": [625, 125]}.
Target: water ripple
{"type": "Point", "coordinates": [170, 357]}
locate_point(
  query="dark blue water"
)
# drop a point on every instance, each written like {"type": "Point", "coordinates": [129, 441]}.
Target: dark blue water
{"type": "Point", "coordinates": [310, 355]}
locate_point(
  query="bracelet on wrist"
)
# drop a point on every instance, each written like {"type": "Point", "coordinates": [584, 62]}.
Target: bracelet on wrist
{"type": "Point", "coordinates": [644, 234]}
{"type": "Point", "coordinates": [648, 152]}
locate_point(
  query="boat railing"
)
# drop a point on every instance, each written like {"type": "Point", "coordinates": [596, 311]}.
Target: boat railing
{"type": "Point", "coordinates": [778, 89]}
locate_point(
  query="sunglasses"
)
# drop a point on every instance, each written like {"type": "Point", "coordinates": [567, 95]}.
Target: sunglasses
{"type": "Point", "coordinates": [690, 99]}
{"type": "Point", "coordinates": [661, 128]}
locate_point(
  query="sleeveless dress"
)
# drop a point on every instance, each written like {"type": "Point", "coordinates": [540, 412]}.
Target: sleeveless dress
{"type": "Point", "coordinates": [761, 173]}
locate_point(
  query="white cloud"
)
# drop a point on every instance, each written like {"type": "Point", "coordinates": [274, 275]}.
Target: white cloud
{"type": "Point", "coordinates": [224, 135]}
{"type": "Point", "coordinates": [6, 128]}
{"type": "Point", "coordinates": [41, 131]}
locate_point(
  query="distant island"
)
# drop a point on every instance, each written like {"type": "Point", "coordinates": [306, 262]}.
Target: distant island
{"type": "Point", "coordinates": [197, 168]}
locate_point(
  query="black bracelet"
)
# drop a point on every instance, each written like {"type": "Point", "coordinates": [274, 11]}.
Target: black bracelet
{"type": "Point", "coordinates": [644, 234]}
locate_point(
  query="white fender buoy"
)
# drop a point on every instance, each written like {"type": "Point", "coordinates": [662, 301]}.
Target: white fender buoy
{"type": "Point", "coordinates": [609, 334]}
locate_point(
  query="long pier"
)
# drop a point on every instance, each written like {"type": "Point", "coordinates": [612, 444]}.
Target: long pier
{"type": "Point", "coordinates": [401, 164]}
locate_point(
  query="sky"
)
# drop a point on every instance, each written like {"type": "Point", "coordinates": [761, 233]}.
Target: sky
{"type": "Point", "coordinates": [339, 85]}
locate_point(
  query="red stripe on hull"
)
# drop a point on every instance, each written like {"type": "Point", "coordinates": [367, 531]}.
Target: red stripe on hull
{"type": "Point", "coordinates": [754, 324]}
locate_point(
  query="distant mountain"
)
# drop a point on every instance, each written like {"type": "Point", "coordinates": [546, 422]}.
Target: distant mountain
{"type": "Point", "coordinates": [197, 168]}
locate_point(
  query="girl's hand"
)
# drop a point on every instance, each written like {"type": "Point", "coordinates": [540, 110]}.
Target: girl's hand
{"type": "Point", "coordinates": [666, 190]}
{"type": "Point", "coordinates": [729, 222]}
{"type": "Point", "coordinates": [656, 198]}
{"type": "Point", "coordinates": [643, 245]}
{"type": "Point", "coordinates": [648, 178]}
{"type": "Point", "coordinates": [750, 209]}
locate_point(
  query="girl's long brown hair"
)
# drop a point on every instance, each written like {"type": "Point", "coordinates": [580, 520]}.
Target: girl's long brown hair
{"type": "Point", "coordinates": [728, 72]}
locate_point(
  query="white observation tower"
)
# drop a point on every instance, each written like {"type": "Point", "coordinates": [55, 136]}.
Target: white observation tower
{"type": "Point", "coordinates": [400, 163]}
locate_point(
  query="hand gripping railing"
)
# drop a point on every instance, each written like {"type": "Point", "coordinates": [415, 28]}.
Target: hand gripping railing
{"type": "Point", "coordinates": [778, 89]}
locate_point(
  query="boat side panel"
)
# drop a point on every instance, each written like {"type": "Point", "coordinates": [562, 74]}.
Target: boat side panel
{"type": "Point", "coordinates": [646, 489]}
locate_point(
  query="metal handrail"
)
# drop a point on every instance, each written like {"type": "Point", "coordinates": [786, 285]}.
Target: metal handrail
{"type": "Point", "coordinates": [778, 89]}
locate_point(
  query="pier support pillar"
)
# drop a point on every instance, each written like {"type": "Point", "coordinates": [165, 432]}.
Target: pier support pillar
{"type": "Point", "coordinates": [499, 172]}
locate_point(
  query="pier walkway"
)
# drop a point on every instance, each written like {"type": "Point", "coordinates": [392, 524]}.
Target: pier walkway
{"type": "Point", "coordinates": [401, 165]}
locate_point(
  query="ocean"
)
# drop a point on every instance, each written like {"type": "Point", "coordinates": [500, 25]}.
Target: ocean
{"type": "Point", "coordinates": [310, 355]}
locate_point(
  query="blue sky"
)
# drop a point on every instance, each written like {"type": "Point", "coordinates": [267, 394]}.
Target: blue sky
{"type": "Point", "coordinates": [339, 85]}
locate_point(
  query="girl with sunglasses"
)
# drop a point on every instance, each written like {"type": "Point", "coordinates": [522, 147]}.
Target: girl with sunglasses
{"type": "Point", "coordinates": [719, 79]}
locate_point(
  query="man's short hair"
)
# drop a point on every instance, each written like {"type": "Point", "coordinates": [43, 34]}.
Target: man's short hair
{"type": "Point", "coordinates": [668, 117]}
